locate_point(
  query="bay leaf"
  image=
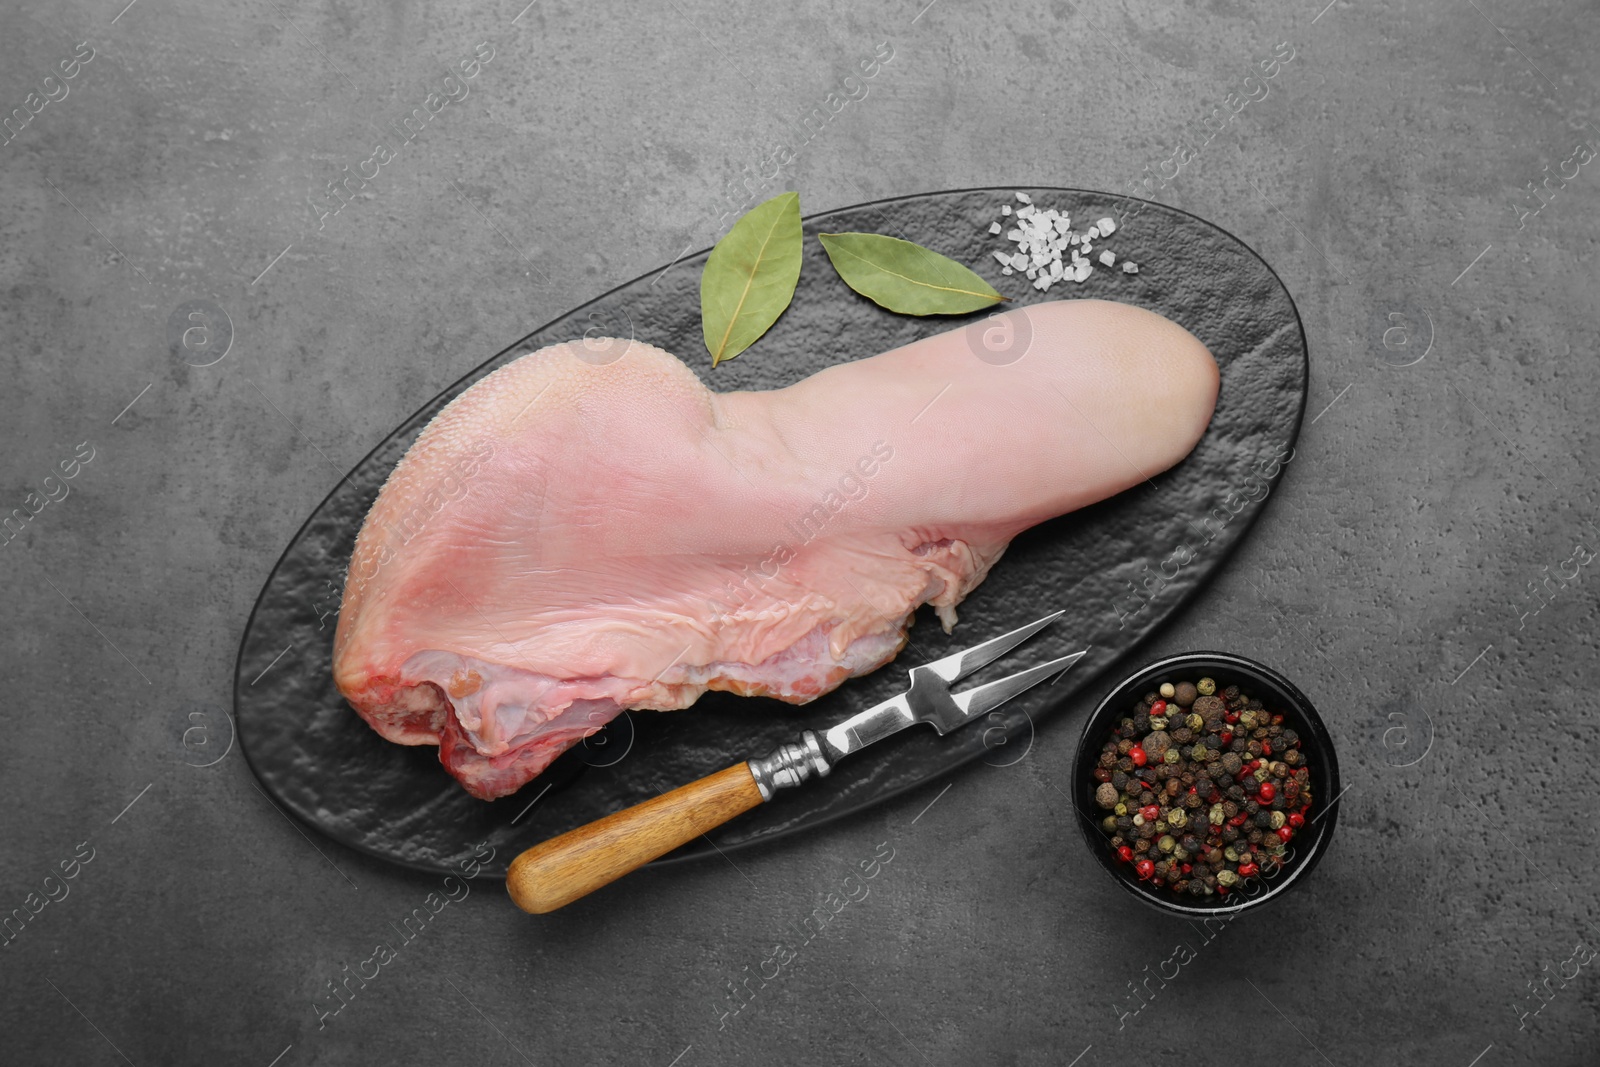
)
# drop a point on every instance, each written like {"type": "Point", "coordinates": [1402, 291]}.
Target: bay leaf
{"type": "Point", "coordinates": [750, 276]}
{"type": "Point", "coordinates": [906, 277]}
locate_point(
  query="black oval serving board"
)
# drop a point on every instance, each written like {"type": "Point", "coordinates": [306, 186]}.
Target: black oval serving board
{"type": "Point", "coordinates": [1117, 568]}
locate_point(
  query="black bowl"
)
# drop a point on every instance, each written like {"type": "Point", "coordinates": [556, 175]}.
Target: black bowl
{"type": "Point", "coordinates": [1278, 694]}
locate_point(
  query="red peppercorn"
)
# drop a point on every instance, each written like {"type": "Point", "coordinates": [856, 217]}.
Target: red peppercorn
{"type": "Point", "coordinates": [1145, 868]}
{"type": "Point", "coordinates": [1253, 765]}
{"type": "Point", "coordinates": [1285, 833]}
{"type": "Point", "coordinates": [1277, 720]}
{"type": "Point", "coordinates": [1187, 868]}
{"type": "Point", "coordinates": [1247, 869]}
{"type": "Point", "coordinates": [1124, 853]}
{"type": "Point", "coordinates": [1266, 748]}
{"type": "Point", "coordinates": [1297, 820]}
{"type": "Point", "coordinates": [1192, 789]}
{"type": "Point", "coordinates": [1227, 737]}
{"type": "Point", "coordinates": [1222, 890]}
{"type": "Point", "coordinates": [1239, 819]}
{"type": "Point", "coordinates": [1158, 708]}
{"type": "Point", "coordinates": [1267, 792]}
{"type": "Point", "coordinates": [1231, 717]}
{"type": "Point", "coordinates": [1151, 812]}
{"type": "Point", "coordinates": [1136, 753]}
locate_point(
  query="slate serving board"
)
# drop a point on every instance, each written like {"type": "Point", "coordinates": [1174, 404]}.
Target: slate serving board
{"type": "Point", "coordinates": [1120, 568]}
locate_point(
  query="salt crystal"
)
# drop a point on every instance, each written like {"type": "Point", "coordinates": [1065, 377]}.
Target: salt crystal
{"type": "Point", "coordinates": [1107, 225]}
{"type": "Point", "coordinates": [1129, 267]}
{"type": "Point", "coordinates": [1007, 271]}
{"type": "Point", "coordinates": [1107, 258]}
{"type": "Point", "coordinates": [1092, 232]}
{"type": "Point", "coordinates": [994, 227]}
{"type": "Point", "coordinates": [1005, 209]}
{"type": "Point", "coordinates": [1025, 198]}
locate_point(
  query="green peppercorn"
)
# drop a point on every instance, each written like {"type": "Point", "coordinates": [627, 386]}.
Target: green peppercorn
{"type": "Point", "coordinates": [1167, 843]}
{"type": "Point", "coordinates": [1217, 816]}
{"type": "Point", "coordinates": [1198, 753]}
{"type": "Point", "coordinates": [1230, 854]}
{"type": "Point", "coordinates": [1206, 687]}
{"type": "Point", "coordinates": [1227, 877]}
{"type": "Point", "coordinates": [1177, 817]}
{"type": "Point", "coordinates": [1195, 721]}
{"type": "Point", "coordinates": [1171, 755]}
{"type": "Point", "coordinates": [1276, 819]}
{"type": "Point", "coordinates": [1120, 809]}
{"type": "Point", "coordinates": [1109, 824]}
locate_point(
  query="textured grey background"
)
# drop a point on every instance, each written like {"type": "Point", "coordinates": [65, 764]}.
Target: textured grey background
{"type": "Point", "coordinates": [1391, 577]}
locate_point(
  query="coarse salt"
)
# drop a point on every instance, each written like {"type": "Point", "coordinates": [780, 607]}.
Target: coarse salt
{"type": "Point", "coordinates": [1045, 241]}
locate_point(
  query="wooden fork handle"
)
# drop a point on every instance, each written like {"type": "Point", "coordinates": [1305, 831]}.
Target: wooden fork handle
{"type": "Point", "coordinates": [554, 874]}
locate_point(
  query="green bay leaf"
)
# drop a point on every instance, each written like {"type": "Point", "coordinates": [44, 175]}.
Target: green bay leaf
{"type": "Point", "coordinates": [905, 277]}
{"type": "Point", "coordinates": [750, 276]}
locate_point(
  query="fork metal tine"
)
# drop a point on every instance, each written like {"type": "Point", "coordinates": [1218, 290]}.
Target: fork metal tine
{"type": "Point", "coordinates": [958, 665]}
{"type": "Point", "coordinates": [976, 701]}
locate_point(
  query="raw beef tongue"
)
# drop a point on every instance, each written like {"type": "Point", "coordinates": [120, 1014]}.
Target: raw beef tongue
{"type": "Point", "coordinates": [574, 536]}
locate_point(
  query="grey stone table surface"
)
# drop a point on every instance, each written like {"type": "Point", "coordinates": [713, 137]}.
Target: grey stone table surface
{"type": "Point", "coordinates": [1419, 175]}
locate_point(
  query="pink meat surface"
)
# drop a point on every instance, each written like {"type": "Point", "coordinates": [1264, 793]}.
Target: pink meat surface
{"type": "Point", "coordinates": [579, 534]}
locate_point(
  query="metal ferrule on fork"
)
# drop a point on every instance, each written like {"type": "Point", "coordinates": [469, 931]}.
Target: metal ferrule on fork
{"type": "Point", "coordinates": [789, 765]}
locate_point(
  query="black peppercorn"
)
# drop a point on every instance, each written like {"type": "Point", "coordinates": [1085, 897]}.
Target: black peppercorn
{"type": "Point", "coordinates": [1262, 820]}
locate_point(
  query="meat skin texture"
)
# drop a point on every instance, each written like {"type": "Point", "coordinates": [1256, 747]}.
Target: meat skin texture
{"type": "Point", "coordinates": [577, 534]}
